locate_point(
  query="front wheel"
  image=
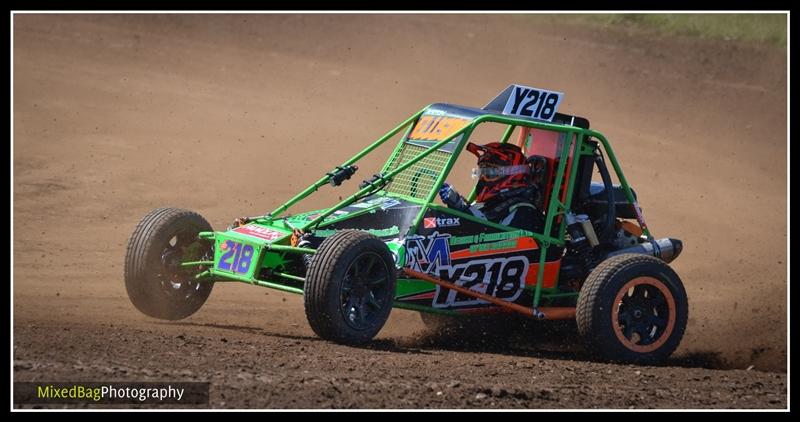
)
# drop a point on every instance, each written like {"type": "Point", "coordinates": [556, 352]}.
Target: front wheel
{"type": "Point", "coordinates": [632, 308]}
{"type": "Point", "coordinates": [156, 283]}
{"type": "Point", "coordinates": [350, 287]}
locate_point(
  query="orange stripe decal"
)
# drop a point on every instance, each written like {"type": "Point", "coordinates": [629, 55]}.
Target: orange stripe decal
{"type": "Point", "coordinates": [550, 274]}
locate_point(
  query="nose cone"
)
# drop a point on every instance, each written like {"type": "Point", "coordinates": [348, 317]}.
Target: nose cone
{"type": "Point", "coordinates": [677, 247]}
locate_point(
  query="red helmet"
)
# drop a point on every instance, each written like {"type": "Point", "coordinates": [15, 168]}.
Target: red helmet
{"type": "Point", "coordinates": [501, 167]}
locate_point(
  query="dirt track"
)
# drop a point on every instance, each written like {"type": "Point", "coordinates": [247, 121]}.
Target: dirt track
{"type": "Point", "coordinates": [230, 115]}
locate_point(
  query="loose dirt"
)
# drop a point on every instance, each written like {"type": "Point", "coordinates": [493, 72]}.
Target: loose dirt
{"type": "Point", "coordinates": [230, 115]}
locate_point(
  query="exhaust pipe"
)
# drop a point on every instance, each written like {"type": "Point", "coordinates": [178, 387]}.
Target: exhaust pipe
{"type": "Point", "coordinates": [666, 249]}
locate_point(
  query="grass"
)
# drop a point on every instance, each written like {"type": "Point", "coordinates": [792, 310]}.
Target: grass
{"type": "Point", "coordinates": [753, 27]}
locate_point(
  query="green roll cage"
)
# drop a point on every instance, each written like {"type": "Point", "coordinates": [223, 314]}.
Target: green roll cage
{"type": "Point", "coordinates": [574, 145]}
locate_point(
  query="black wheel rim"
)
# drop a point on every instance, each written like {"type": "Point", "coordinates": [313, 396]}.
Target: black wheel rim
{"type": "Point", "coordinates": [365, 292]}
{"type": "Point", "coordinates": [645, 314]}
{"type": "Point", "coordinates": [177, 282]}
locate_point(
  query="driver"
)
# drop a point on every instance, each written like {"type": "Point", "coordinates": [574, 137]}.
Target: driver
{"type": "Point", "coordinates": [505, 193]}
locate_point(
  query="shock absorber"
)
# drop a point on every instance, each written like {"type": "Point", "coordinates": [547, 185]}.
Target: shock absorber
{"type": "Point", "coordinates": [583, 238]}
{"type": "Point", "coordinates": [300, 239]}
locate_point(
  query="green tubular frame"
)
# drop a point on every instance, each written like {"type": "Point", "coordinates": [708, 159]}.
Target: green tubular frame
{"type": "Point", "coordinates": [574, 143]}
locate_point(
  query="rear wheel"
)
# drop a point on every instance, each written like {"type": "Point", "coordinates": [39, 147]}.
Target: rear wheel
{"type": "Point", "coordinates": [632, 308]}
{"type": "Point", "coordinates": [350, 287]}
{"type": "Point", "coordinates": [156, 283]}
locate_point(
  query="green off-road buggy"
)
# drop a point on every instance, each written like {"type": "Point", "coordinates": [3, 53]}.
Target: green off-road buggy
{"type": "Point", "coordinates": [389, 245]}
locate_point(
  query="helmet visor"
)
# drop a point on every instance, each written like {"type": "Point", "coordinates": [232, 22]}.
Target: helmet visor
{"type": "Point", "coordinates": [491, 173]}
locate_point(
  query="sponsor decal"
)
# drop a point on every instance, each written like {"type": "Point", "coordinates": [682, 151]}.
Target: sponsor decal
{"type": "Point", "coordinates": [260, 232]}
{"type": "Point", "coordinates": [426, 254]}
{"type": "Point", "coordinates": [314, 214]}
{"type": "Point", "coordinates": [375, 201]}
{"type": "Point", "coordinates": [436, 128]}
{"type": "Point", "coordinates": [505, 244]}
{"type": "Point", "coordinates": [390, 203]}
{"type": "Point", "coordinates": [361, 205]}
{"type": "Point", "coordinates": [433, 222]}
{"type": "Point", "coordinates": [398, 251]}
{"type": "Point", "coordinates": [489, 237]}
{"type": "Point", "coordinates": [391, 231]}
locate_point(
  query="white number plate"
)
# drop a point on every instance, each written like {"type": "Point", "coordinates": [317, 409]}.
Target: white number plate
{"type": "Point", "coordinates": [533, 102]}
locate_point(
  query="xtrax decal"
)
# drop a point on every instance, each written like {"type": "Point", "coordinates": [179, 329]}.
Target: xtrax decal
{"type": "Point", "coordinates": [500, 276]}
{"type": "Point", "coordinates": [434, 222]}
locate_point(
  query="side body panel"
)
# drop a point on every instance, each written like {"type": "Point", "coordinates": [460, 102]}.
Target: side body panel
{"type": "Point", "coordinates": [483, 258]}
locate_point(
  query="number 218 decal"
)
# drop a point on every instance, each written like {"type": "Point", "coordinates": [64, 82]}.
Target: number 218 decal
{"type": "Point", "coordinates": [532, 102]}
{"type": "Point", "coordinates": [236, 257]}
